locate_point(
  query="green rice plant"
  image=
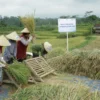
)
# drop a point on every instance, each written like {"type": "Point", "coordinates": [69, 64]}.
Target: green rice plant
{"type": "Point", "coordinates": [88, 39]}
{"type": "Point", "coordinates": [64, 35]}
{"type": "Point", "coordinates": [29, 22]}
{"type": "Point", "coordinates": [19, 72]}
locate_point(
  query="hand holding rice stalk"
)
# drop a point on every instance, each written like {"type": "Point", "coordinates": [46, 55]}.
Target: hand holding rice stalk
{"type": "Point", "coordinates": [29, 22]}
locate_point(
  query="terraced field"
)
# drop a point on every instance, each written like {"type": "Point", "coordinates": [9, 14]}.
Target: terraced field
{"type": "Point", "coordinates": [93, 45]}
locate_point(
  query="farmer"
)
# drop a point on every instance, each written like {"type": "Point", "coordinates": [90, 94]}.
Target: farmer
{"type": "Point", "coordinates": [41, 49]}
{"type": "Point", "coordinates": [10, 51]}
{"type": "Point", "coordinates": [23, 44]}
{"type": "Point", "coordinates": [3, 42]}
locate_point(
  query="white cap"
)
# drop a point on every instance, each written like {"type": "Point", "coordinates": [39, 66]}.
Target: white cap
{"type": "Point", "coordinates": [13, 36]}
{"type": "Point", "coordinates": [4, 41]}
{"type": "Point", "coordinates": [47, 46]}
{"type": "Point", "coordinates": [25, 30]}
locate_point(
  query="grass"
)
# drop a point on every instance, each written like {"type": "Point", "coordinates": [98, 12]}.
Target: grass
{"type": "Point", "coordinates": [88, 39]}
{"type": "Point", "coordinates": [93, 44]}
{"type": "Point", "coordinates": [74, 43]}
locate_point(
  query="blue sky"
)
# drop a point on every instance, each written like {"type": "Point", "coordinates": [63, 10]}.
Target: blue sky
{"type": "Point", "coordinates": [48, 8]}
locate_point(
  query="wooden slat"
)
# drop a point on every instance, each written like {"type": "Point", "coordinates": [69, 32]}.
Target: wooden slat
{"type": "Point", "coordinates": [47, 73]}
{"type": "Point", "coordinates": [39, 71]}
{"type": "Point", "coordinates": [39, 67]}
{"type": "Point", "coordinates": [46, 67]}
{"type": "Point", "coordinates": [34, 72]}
{"type": "Point", "coordinates": [33, 66]}
{"type": "Point", "coordinates": [7, 81]}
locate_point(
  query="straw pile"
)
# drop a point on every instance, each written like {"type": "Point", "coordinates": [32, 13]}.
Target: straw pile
{"type": "Point", "coordinates": [55, 92]}
{"type": "Point", "coordinates": [78, 62]}
{"type": "Point", "coordinates": [55, 52]}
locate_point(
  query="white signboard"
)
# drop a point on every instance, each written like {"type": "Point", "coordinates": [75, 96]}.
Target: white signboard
{"type": "Point", "coordinates": [67, 25]}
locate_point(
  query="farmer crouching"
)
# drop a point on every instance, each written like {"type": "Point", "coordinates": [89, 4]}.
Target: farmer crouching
{"type": "Point", "coordinates": [41, 49]}
{"type": "Point", "coordinates": [22, 44]}
{"type": "Point", "coordinates": [3, 42]}
{"type": "Point", "coordinates": [10, 51]}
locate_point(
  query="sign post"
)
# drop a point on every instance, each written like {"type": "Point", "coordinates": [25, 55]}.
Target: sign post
{"type": "Point", "coordinates": [67, 25]}
{"type": "Point", "coordinates": [67, 42]}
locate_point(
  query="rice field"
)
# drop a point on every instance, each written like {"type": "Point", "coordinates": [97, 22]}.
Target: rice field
{"type": "Point", "coordinates": [76, 62]}
{"type": "Point", "coordinates": [93, 45]}
{"type": "Point", "coordinates": [74, 43]}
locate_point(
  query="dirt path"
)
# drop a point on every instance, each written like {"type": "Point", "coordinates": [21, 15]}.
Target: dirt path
{"type": "Point", "coordinates": [60, 79]}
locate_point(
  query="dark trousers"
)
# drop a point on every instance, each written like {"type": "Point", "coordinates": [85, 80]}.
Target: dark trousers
{"type": "Point", "coordinates": [21, 60]}
{"type": "Point", "coordinates": [10, 61]}
{"type": "Point", "coordinates": [35, 55]}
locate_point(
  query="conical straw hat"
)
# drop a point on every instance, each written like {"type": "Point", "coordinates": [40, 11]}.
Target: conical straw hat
{"type": "Point", "coordinates": [13, 36]}
{"type": "Point", "coordinates": [25, 30]}
{"type": "Point", "coordinates": [47, 46]}
{"type": "Point", "coordinates": [4, 41]}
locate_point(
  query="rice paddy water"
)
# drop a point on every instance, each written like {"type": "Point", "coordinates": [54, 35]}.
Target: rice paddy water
{"type": "Point", "coordinates": [94, 85]}
{"type": "Point", "coordinates": [4, 91]}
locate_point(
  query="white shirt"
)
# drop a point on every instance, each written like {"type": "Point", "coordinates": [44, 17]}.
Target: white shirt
{"type": "Point", "coordinates": [24, 41]}
{"type": "Point", "coordinates": [2, 61]}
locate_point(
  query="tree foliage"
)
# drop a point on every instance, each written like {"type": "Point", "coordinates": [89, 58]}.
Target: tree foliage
{"type": "Point", "coordinates": [12, 21]}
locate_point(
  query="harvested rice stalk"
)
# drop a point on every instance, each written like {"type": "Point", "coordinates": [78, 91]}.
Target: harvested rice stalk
{"type": "Point", "coordinates": [19, 72]}
{"type": "Point", "coordinates": [29, 22]}
{"type": "Point", "coordinates": [78, 62]}
{"type": "Point", "coordinates": [55, 92]}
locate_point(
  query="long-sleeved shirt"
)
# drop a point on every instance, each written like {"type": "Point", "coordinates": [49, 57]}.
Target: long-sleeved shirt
{"type": "Point", "coordinates": [26, 41]}
{"type": "Point", "coordinates": [10, 51]}
{"type": "Point", "coordinates": [22, 47]}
